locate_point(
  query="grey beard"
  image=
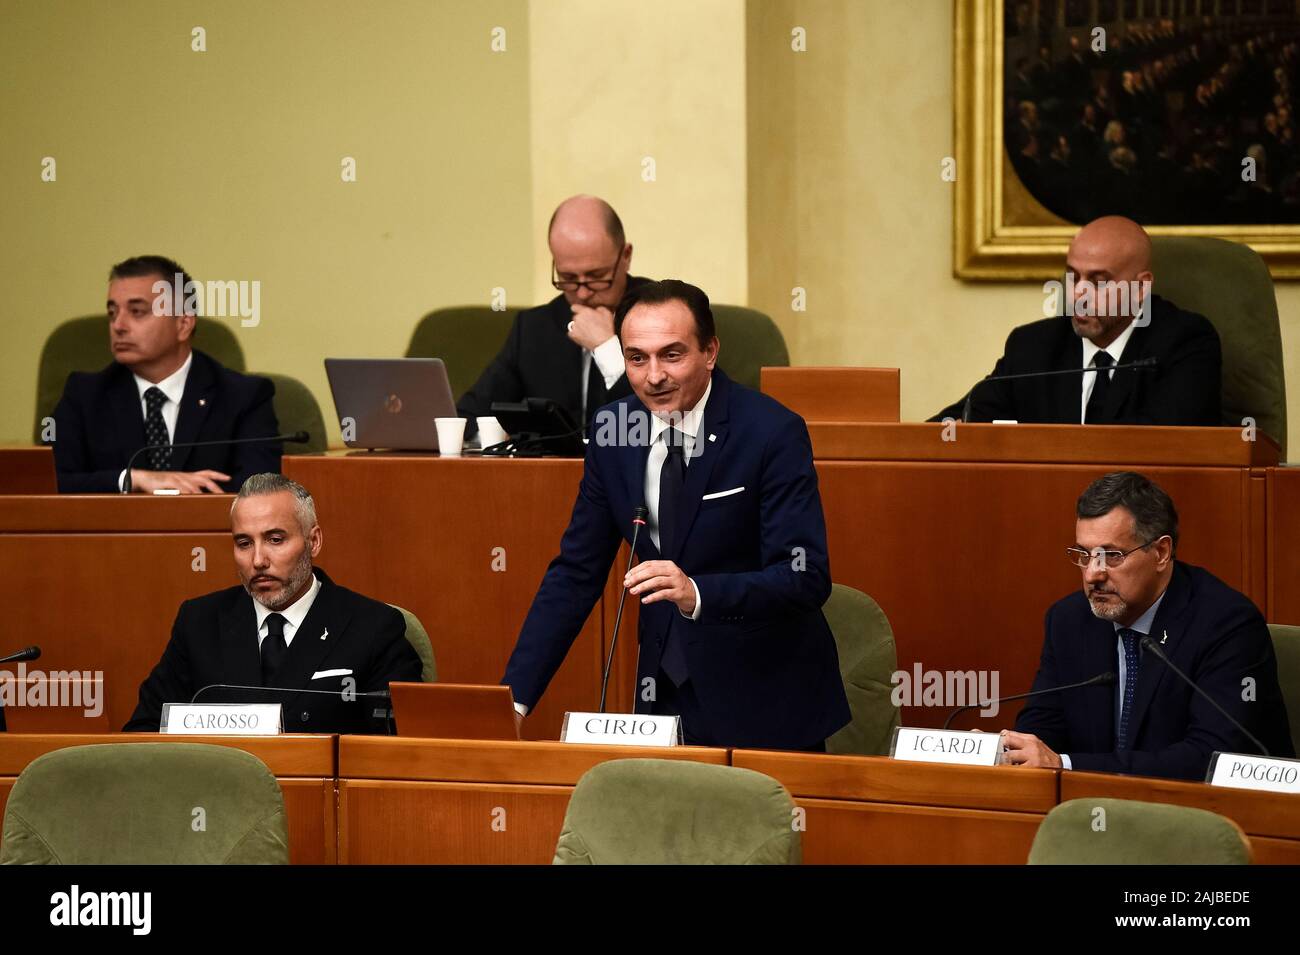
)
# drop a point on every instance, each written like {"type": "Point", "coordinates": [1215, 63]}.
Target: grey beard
{"type": "Point", "coordinates": [300, 575]}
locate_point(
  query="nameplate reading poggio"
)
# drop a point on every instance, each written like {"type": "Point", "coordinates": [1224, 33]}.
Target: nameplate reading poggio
{"type": "Point", "coordinates": [1241, 771]}
{"type": "Point", "coordinates": [621, 729]}
{"type": "Point", "coordinates": [221, 719]}
{"type": "Point", "coordinates": [946, 746]}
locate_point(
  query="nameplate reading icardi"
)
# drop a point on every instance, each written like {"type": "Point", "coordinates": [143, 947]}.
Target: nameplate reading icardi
{"type": "Point", "coordinates": [946, 746]}
{"type": "Point", "coordinates": [221, 719]}
{"type": "Point", "coordinates": [620, 729]}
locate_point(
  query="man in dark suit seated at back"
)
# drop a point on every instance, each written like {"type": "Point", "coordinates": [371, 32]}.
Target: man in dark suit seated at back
{"type": "Point", "coordinates": [288, 626]}
{"type": "Point", "coordinates": [1115, 320]}
{"type": "Point", "coordinates": [1149, 722]}
{"type": "Point", "coordinates": [566, 350]}
{"type": "Point", "coordinates": [734, 569]}
{"type": "Point", "coordinates": [159, 390]}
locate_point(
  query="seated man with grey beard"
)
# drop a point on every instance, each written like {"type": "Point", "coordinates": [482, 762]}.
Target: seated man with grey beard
{"type": "Point", "coordinates": [287, 628]}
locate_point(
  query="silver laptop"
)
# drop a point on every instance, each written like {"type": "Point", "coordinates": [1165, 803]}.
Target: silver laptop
{"type": "Point", "coordinates": [390, 402]}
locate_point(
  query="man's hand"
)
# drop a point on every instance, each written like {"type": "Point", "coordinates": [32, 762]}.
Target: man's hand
{"type": "Point", "coordinates": [187, 482]}
{"type": "Point", "coordinates": [661, 580]}
{"type": "Point", "coordinates": [1026, 749]}
{"type": "Point", "coordinates": [591, 327]}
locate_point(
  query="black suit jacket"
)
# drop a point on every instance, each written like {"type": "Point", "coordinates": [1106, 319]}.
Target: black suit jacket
{"type": "Point", "coordinates": [99, 424]}
{"type": "Point", "coordinates": [1183, 388]}
{"type": "Point", "coordinates": [214, 640]}
{"type": "Point", "coordinates": [539, 360]}
{"type": "Point", "coordinates": [761, 656]}
{"type": "Point", "coordinates": [1212, 633]}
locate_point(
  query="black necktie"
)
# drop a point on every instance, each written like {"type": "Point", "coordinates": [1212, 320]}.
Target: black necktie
{"type": "Point", "coordinates": [273, 647]}
{"type": "Point", "coordinates": [672, 478]}
{"type": "Point", "coordinates": [1100, 385]}
{"type": "Point", "coordinates": [155, 430]}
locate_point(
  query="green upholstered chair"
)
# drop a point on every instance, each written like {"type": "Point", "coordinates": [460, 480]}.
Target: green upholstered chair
{"type": "Point", "coordinates": [670, 812]}
{"type": "Point", "coordinates": [868, 658]}
{"type": "Point", "coordinates": [1230, 285]}
{"type": "Point", "coordinates": [467, 337]}
{"type": "Point", "coordinates": [136, 804]}
{"type": "Point", "coordinates": [1286, 647]}
{"type": "Point", "coordinates": [81, 344]}
{"type": "Point", "coordinates": [1127, 832]}
{"type": "Point", "coordinates": [296, 409]}
{"type": "Point", "coordinates": [418, 637]}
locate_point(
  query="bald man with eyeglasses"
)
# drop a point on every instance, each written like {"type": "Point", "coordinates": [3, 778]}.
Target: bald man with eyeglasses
{"type": "Point", "coordinates": [566, 350]}
{"type": "Point", "coordinates": [1148, 721]}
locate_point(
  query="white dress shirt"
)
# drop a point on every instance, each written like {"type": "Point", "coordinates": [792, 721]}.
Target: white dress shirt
{"type": "Point", "coordinates": [1115, 349]}
{"type": "Point", "coordinates": [173, 387]}
{"type": "Point", "coordinates": [608, 357]}
{"type": "Point", "coordinates": [293, 615]}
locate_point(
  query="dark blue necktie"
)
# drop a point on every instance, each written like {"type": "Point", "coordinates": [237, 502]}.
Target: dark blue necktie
{"type": "Point", "coordinates": [1131, 663]}
{"type": "Point", "coordinates": [672, 478]}
{"type": "Point", "coordinates": [274, 647]}
{"type": "Point", "coordinates": [155, 430]}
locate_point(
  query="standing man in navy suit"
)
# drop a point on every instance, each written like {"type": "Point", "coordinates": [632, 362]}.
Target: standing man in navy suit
{"type": "Point", "coordinates": [733, 565]}
{"type": "Point", "coordinates": [1149, 722]}
{"type": "Point", "coordinates": [159, 390]}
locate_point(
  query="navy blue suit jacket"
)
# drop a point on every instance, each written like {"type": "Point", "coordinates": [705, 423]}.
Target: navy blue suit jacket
{"type": "Point", "coordinates": [99, 424]}
{"type": "Point", "coordinates": [761, 656]}
{"type": "Point", "coordinates": [1212, 633]}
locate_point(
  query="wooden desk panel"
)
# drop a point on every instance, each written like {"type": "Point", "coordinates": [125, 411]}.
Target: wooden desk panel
{"type": "Point", "coordinates": [425, 533]}
{"type": "Point", "coordinates": [304, 766]}
{"type": "Point", "coordinates": [1284, 545]}
{"type": "Point", "coordinates": [835, 394]}
{"type": "Point", "coordinates": [424, 801]}
{"type": "Point", "coordinates": [1272, 820]}
{"type": "Point", "coordinates": [27, 471]}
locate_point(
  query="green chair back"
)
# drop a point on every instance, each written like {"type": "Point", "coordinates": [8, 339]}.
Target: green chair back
{"type": "Point", "coordinates": [296, 409]}
{"type": "Point", "coordinates": [868, 659]}
{"type": "Point", "coordinates": [1127, 832]}
{"type": "Point", "coordinates": [145, 804]}
{"type": "Point", "coordinates": [671, 812]}
{"type": "Point", "coordinates": [1230, 285]}
{"type": "Point", "coordinates": [1286, 647]}
{"type": "Point", "coordinates": [81, 344]}
{"type": "Point", "coordinates": [418, 637]}
{"type": "Point", "coordinates": [467, 337]}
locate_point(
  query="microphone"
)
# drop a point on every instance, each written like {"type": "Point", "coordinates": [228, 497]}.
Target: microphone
{"type": "Point", "coordinates": [376, 694]}
{"type": "Point", "coordinates": [1149, 643]}
{"type": "Point", "coordinates": [23, 655]}
{"type": "Point", "coordinates": [298, 437]}
{"type": "Point", "coordinates": [1101, 679]}
{"type": "Point", "coordinates": [638, 521]}
{"type": "Point", "coordinates": [1149, 362]}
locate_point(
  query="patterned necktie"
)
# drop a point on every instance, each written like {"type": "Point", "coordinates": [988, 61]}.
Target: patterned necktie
{"type": "Point", "coordinates": [274, 647]}
{"type": "Point", "coordinates": [672, 478]}
{"type": "Point", "coordinates": [1131, 663]}
{"type": "Point", "coordinates": [1100, 385]}
{"type": "Point", "coordinates": [155, 430]}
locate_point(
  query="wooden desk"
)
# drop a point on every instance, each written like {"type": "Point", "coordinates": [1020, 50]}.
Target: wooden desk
{"type": "Point", "coordinates": [466, 801]}
{"type": "Point", "coordinates": [1271, 820]}
{"type": "Point", "coordinates": [870, 810]}
{"type": "Point", "coordinates": [96, 580]}
{"type": "Point", "coordinates": [27, 471]}
{"type": "Point", "coordinates": [1284, 545]}
{"type": "Point", "coordinates": [835, 394]}
{"type": "Point", "coordinates": [304, 766]}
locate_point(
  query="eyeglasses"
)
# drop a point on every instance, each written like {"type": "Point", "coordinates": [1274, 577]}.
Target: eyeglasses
{"type": "Point", "coordinates": [592, 285]}
{"type": "Point", "coordinates": [1083, 558]}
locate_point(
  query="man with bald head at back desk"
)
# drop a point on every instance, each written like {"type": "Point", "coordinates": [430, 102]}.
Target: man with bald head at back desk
{"type": "Point", "coordinates": [1111, 318]}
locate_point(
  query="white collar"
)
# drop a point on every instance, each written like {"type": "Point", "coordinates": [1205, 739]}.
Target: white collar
{"type": "Point", "coordinates": [691, 421]}
{"type": "Point", "coordinates": [173, 386]}
{"type": "Point", "coordinates": [1115, 349]}
{"type": "Point", "coordinates": [296, 612]}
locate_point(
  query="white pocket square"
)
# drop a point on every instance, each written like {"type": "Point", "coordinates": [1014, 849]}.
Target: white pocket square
{"type": "Point", "coordinates": [716, 494]}
{"type": "Point", "coordinates": [322, 674]}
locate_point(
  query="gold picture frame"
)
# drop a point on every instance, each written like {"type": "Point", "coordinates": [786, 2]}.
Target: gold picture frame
{"type": "Point", "coordinates": [1000, 233]}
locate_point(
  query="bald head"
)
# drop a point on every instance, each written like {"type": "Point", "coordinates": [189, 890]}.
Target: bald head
{"type": "Point", "coordinates": [1110, 261]}
{"type": "Point", "coordinates": [1112, 243]}
{"type": "Point", "coordinates": [587, 243]}
{"type": "Point", "coordinates": [586, 219]}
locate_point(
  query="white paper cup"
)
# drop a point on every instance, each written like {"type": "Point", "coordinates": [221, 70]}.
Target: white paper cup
{"type": "Point", "coordinates": [490, 432]}
{"type": "Point", "coordinates": [451, 436]}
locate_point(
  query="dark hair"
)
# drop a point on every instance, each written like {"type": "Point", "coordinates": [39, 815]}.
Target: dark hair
{"type": "Point", "coordinates": [140, 266]}
{"type": "Point", "coordinates": [670, 290]}
{"type": "Point", "coordinates": [1153, 512]}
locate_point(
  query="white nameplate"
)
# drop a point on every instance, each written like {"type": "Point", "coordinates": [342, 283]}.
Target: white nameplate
{"type": "Point", "coordinates": [621, 729]}
{"type": "Point", "coordinates": [221, 719]}
{"type": "Point", "coordinates": [1239, 771]}
{"type": "Point", "coordinates": [969, 748]}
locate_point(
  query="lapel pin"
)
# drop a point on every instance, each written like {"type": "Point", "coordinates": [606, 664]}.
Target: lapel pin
{"type": "Point", "coordinates": [713, 437]}
{"type": "Point", "coordinates": [325, 633]}
{"type": "Point", "coordinates": [1164, 636]}
{"type": "Point", "coordinates": [203, 402]}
